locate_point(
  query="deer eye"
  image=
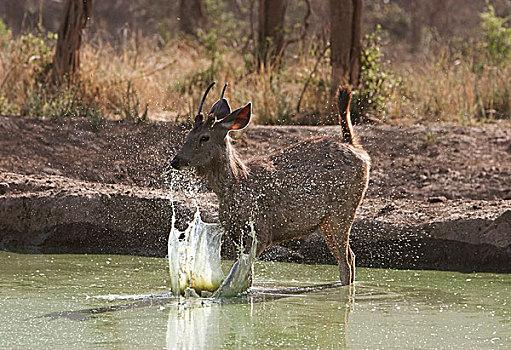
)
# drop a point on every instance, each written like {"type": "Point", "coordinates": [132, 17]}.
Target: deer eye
{"type": "Point", "coordinates": [204, 138]}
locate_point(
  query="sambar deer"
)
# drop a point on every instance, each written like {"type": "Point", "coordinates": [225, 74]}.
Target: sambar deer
{"type": "Point", "coordinates": [317, 184]}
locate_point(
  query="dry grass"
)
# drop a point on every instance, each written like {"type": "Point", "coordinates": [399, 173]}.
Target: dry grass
{"type": "Point", "coordinates": [452, 90]}
{"type": "Point", "coordinates": [170, 80]}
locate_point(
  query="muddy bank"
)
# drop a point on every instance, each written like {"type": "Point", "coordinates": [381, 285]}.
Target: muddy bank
{"type": "Point", "coordinates": [439, 197]}
{"type": "Point", "coordinates": [59, 215]}
{"type": "Point", "coordinates": [53, 214]}
{"type": "Point", "coordinates": [415, 162]}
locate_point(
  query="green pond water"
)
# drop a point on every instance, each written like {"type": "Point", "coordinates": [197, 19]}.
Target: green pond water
{"type": "Point", "coordinates": [99, 301]}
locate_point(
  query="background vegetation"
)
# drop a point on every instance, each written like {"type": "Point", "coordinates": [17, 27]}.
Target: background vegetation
{"type": "Point", "coordinates": [443, 61]}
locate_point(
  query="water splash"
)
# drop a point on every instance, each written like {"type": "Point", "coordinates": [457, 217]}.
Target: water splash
{"type": "Point", "coordinates": [195, 260]}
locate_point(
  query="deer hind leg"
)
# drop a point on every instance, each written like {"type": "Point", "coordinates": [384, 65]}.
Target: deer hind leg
{"type": "Point", "coordinates": [336, 229]}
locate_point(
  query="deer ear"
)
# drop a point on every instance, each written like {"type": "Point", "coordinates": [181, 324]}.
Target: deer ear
{"type": "Point", "coordinates": [238, 119]}
{"type": "Point", "coordinates": [220, 109]}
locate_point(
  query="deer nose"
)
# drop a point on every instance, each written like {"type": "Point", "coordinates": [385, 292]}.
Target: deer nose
{"type": "Point", "coordinates": [175, 163]}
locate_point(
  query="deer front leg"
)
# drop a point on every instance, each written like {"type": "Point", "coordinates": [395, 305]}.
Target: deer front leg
{"type": "Point", "coordinates": [241, 274]}
{"type": "Point", "coordinates": [260, 238]}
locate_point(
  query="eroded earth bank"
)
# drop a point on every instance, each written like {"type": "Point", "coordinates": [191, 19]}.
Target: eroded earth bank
{"type": "Point", "coordinates": [439, 197]}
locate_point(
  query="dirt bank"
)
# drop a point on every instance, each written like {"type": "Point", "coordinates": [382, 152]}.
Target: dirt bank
{"type": "Point", "coordinates": [437, 199]}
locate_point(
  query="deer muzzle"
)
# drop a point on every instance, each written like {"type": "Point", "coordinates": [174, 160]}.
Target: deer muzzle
{"type": "Point", "coordinates": [177, 163]}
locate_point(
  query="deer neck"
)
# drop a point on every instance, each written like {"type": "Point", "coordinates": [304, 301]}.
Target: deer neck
{"type": "Point", "coordinates": [226, 170]}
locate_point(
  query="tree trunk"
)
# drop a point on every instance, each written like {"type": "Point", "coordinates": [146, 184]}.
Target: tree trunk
{"type": "Point", "coordinates": [66, 62]}
{"type": "Point", "coordinates": [340, 42]}
{"type": "Point", "coordinates": [356, 43]}
{"type": "Point", "coordinates": [346, 42]}
{"type": "Point", "coordinates": [416, 36]}
{"type": "Point", "coordinates": [438, 16]}
{"type": "Point", "coordinates": [13, 13]}
{"type": "Point", "coordinates": [191, 16]}
{"type": "Point", "coordinates": [235, 6]}
{"type": "Point", "coordinates": [270, 33]}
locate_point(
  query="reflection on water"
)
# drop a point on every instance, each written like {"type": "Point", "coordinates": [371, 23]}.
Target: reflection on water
{"type": "Point", "coordinates": [69, 301]}
{"type": "Point", "coordinates": [212, 324]}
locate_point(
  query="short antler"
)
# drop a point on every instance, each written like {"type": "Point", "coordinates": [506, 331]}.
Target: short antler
{"type": "Point", "coordinates": [199, 118]}
{"type": "Point", "coordinates": [223, 91]}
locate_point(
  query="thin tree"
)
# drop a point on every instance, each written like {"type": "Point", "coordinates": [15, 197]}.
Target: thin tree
{"type": "Point", "coordinates": [416, 22]}
{"type": "Point", "coordinates": [66, 62]}
{"type": "Point", "coordinates": [13, 14]}
{"type": "Point", "coordinates": [270, 31]}
{"type": "Point", "coordinates": [439, 16]}
{"type": "Point", "coordinates": [346, 42]}
{"type": "Point", "coordinates": [192, 16]}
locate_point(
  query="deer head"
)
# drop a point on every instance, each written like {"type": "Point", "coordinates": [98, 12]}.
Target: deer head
{"type": "Point", "coordinates": [208, 141]}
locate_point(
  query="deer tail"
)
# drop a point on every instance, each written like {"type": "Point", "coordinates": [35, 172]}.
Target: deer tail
{"type": "Point", "coordinates": [344, 101]}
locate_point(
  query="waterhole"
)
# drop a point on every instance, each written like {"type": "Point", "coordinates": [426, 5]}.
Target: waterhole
{"type": "Point", "coordinates": [100, 301]}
